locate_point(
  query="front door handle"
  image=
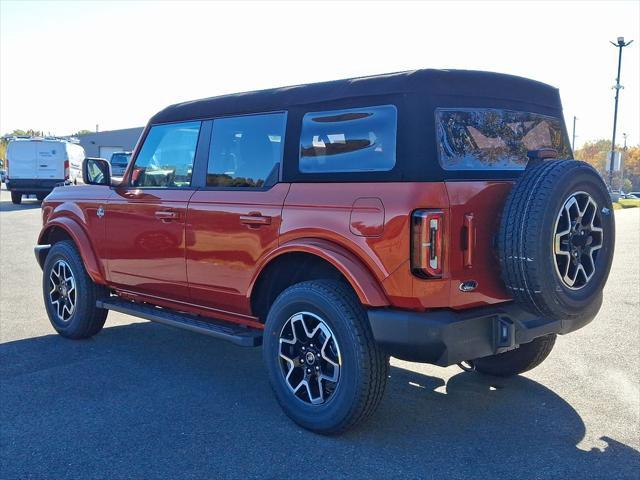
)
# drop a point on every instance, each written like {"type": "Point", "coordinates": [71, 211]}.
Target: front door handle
{"type": "Point", "coordinates": [132, 194]}
{"type": "Point", "coordinates": [255, 219]}
{"type": "Point", "coordinates": [166, 215]}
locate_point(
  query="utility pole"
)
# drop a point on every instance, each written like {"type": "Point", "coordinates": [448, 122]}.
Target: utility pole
{"type": "Point", "coordinates": [619, 45]}
{"type": "Point", "coordinates": [573, 141]}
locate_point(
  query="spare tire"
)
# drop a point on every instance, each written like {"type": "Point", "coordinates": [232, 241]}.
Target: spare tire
{"type": "Point", "coordinates": [556, 240]}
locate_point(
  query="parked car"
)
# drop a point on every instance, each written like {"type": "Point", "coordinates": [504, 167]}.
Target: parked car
{"type": "Point", "coordinates": [119, 162]}
{"type": "Point", "coordinates": [434, 216]}
{"type": "Point", "coordinates": [632, 195]}
{"type": "Point", "coordinates": [2, 175]}
{"type": "Point", "coordinates": [37, 165]}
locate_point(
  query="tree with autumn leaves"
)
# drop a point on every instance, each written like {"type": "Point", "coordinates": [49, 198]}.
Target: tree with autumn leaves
{"type": "Point", "coordinates": [595, 153]}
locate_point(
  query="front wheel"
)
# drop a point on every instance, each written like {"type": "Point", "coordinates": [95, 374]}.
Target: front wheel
{"type": "Point", "coordinates": [70, 295]}
{"type": "Point", "coordinates": [324, 366]}
{"type": "Point", "coordinates": [16, 198]}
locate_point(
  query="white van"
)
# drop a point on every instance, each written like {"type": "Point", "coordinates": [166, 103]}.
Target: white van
{"type": "Point", "coordinates": [37, 165]}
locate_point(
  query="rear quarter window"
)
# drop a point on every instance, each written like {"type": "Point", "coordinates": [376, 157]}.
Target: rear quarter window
{"type": "Point", "coordinates": [494, 139]}
{"type": "Point", "coordinates": [352, 140]}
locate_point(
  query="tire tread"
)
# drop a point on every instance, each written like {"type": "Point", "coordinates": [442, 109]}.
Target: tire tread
{"type": "Point", "coordinates": [524, 358]}
{"type": "Point", "coordinates": [518, 233]}
{"type": "Point", "coordinates": [375, 364]}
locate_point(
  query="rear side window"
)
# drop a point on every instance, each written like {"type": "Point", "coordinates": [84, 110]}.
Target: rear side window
{"type": "Point", "coordinates": [492, 139]}
{"type": "Point", "coordinates": [166, 157]}
{"type": "Point", "coordinates": [353, 140]}
{"type": "Point", "coordinates": [246, 151]}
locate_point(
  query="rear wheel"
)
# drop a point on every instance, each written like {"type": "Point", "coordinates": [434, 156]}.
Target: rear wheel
{"type": "Point", "coordinates": [514, 362]}
{"type": "Point", "coordinates": [70, 295]}
{"type": "Point", "coordinates": [41, 196]}
{"type": "Point", "coordinates": [16, 198]}
{"type": "Point", "coordinates": [326, 370]}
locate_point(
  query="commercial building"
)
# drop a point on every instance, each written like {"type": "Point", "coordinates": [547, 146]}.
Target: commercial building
{"type": "Point", "coordinates": [104, 144]}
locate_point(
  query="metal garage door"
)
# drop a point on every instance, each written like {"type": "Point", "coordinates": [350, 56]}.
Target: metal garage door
{"type": "Point", "coordinates": [106, 152]}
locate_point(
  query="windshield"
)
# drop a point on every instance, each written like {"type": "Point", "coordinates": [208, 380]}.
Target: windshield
{"type": "Point", "coordinates": [120, 159]}
{"type": "Point", "coordinates": [481, 139]}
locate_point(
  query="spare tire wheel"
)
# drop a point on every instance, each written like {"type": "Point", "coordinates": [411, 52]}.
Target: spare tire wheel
{"type": "Point", "coordinates": [556, 240]}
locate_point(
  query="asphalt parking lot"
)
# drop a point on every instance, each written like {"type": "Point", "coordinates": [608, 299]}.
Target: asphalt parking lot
{"type": "Point", "coordinates": [145, 401]}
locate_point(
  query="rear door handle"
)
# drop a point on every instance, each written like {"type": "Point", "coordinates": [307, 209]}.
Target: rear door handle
{"type": "Point", "coordinates": [166, 215]}
{"type": "Point", "coordinates": [255, 219]}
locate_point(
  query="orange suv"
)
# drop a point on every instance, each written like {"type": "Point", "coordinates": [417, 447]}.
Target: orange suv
{"type": "Point", "coordinates": [430, 215]}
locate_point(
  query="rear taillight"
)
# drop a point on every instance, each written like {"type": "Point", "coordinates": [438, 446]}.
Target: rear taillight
{"type": "Point", "coordinates": [427, 230]}
{"type": "Point", "coordinates": [66, 170]}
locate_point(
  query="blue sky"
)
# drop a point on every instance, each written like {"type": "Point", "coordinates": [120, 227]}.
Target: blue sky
{"type": "Point", "coordinates": [66, 66]}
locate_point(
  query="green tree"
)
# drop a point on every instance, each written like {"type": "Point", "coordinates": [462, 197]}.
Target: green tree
{"type": "Point", "coordinates": [632, 167]}
{"type": "Point", "coordinates": [596, 152]}
{"type": "Point", "coordinates": [81, 132]}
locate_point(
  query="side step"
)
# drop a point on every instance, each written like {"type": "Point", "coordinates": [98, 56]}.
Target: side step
{"type": "Point", "coordinates": [245, 337]}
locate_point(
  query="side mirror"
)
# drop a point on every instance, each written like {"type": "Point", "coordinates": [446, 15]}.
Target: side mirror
{"type": "Point", "coordinates": [96, 171]}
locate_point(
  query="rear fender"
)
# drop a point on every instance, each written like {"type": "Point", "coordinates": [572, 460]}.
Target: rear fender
{"type": "Point", "coordinates": [363, 282]}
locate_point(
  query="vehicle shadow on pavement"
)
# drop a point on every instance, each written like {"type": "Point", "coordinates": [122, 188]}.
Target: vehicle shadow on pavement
{"type": "Point", "coordinates": [146, 401]}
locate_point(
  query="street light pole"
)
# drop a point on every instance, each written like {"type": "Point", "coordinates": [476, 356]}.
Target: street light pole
{"type": "Point", "coordinates": [573, 141]}
{"type": "Point", "coordinates": [620, 45]}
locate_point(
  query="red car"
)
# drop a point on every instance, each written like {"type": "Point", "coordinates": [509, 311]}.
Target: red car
{"type": "Point", "coordinates": [431, 215]}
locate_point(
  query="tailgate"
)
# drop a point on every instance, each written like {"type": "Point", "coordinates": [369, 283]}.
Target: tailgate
{"type": "Point", "coordinates": [475, 210]}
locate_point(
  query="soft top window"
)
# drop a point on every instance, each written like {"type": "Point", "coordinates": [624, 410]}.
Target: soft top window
{"type": "Point", "coordinates": [492, 139]}
{"type": "Point", "coordinates": [353, 140]}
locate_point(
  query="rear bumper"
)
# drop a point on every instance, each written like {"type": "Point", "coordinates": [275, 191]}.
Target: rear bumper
{"type": "Point", "coordinates": [33, 185]}
{"type": "Point", "coordinates": [447, 337]}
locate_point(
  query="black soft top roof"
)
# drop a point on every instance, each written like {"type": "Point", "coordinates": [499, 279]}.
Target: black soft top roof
{"type": "Point", "coordinates": [427, 83]}
{"type": "Point", "coordinates": [416, 95]}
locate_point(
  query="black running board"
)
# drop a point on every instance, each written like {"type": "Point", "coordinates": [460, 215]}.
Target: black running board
{"type": "Point", "coordinates": [245, 337]}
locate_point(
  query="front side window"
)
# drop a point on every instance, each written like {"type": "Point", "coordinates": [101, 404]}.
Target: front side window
{"type": "Point", "coordinates": [166, 157]}
{"type": "Point", "coordinates": [483, 139]}
{"type": "Point", "coordinates": [246, 151]}
{"type": "Point", "coordinates": [353, 140]}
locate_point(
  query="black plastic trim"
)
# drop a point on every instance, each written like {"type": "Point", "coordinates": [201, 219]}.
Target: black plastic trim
{"type": "Point", "coordinates": [27, 185]}
{"type": "Point", "coordinates": [40, 251]}
{"type": "Point", "coordinates": [446, 337]}
{"type": "Point", "coordinates": [244, 337]}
